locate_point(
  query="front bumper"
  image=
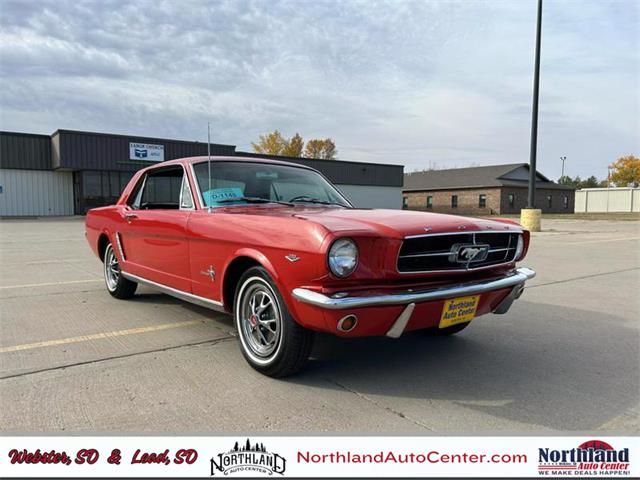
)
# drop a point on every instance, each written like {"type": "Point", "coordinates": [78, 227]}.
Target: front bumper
{"type": "Point", "coordinates": [512, 279]}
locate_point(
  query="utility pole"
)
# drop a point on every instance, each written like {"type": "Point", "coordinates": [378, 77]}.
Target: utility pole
{"type": "Point", "coordinates": [534, 113]}
{"type": "Point", "coordinates": [563, 159]}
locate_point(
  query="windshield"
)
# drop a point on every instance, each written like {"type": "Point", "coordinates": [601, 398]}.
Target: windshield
{"type": "Point", "coordinates": [239, 183]}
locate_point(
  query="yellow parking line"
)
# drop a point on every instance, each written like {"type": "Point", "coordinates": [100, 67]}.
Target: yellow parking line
{"type": "Point", "coordinates": [48, 284]}
{"type": "Point", "coordinates": [98, 336]}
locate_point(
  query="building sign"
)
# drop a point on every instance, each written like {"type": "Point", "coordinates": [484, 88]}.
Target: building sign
{"type": "Point", "coordinates": [147, 152]}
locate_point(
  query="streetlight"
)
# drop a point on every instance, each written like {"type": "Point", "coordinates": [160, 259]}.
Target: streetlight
{"type": "Point", "coordinates": [530, 217]}
{"type": "Point", "coordinates": [563, 159]}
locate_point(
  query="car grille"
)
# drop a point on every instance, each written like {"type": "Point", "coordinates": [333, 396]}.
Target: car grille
{"type": "Point", "coordinates": [438, 251]}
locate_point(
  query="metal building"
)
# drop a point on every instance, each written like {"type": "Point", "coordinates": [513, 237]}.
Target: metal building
{"type": "Point", "coordinates": [71, 171]}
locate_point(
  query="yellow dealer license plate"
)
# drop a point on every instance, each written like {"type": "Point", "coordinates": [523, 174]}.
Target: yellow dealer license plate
{"type": "Point", "coordinates": [459, 310]}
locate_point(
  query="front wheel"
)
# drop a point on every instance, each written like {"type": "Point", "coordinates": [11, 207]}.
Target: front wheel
{"type": "Point", "coordinates": [270, 339]}
{"type": "Point", "coordinates": [117, 285]}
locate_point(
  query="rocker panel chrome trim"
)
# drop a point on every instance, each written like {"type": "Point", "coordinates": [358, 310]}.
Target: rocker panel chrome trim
{"type": "Point", "coordinates": [187, 297]}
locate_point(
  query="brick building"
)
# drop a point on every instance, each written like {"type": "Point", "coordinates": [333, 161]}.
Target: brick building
{"type": "Point", "coordinates": [494, 189]}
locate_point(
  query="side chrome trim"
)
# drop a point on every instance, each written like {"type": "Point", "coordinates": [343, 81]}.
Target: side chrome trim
{"type": "Point", "coordinates": [518, 276]}
{"type": "Point", "coordinates": [187, 297]}
{"type": "Point", "coordinates": [119, 242]}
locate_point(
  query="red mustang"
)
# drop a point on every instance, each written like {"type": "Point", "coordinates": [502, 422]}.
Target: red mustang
{"type": "Point", "coordinates": [280, 248]}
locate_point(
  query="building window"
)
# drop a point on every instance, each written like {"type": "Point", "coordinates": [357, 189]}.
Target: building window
{"type": "Point", "coordinates": [454, 201]}
{"type": "Point", "coordinates": [429, 201]}
{"type": "Point", "coordinates": [482, 200]}
{"type": "Point", "coordinates": [405, 203]}
{"type": "Point", "coordinates": [512, 199]}
{"type": "Point", "coordinates": [549, 201]}
{"type": "Point", "coordinates": [565, 202]}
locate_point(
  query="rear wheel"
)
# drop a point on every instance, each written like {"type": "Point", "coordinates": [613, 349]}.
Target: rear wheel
{"type": "Point", "coordinates": [117, 285]}
{"type": "Point", "coordinates": [270, 339]}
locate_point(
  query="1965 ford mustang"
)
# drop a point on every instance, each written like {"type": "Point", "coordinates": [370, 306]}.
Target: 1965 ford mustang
{"type": "Point", "coordinates": [280, 248]}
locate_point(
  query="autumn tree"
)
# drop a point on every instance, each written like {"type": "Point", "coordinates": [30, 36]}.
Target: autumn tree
{"type": "Point", "coordinates": [294, 146]}
{"type": "Point", "coordinates": [275, 144]}
{"type": "Point", "coordinates": [626, 171]}
{"type": "Point", "coordinates": [325, 149]}
{"type": "Point", "coordinates": [270, 144]}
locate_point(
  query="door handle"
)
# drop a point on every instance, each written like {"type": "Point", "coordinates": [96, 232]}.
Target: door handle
{"type": "Point", "coordinates": [130, 216]}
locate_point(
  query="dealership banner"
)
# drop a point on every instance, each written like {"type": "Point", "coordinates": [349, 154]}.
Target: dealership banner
{"type": "Point", "coordinates": [342, 457]}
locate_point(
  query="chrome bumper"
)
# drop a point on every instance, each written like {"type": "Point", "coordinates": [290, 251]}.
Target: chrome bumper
{"type": "Point", "coordinates": [517, 277]}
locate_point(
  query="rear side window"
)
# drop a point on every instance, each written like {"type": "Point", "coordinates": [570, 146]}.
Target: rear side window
{"type": "Point", "coordinates": [160, 190]}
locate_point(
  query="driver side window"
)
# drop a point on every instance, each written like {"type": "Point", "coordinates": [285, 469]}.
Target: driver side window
{"type": "Point", "coordinates": [160, 190]}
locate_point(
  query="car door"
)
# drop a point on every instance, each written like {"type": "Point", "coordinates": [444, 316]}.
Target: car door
{"type": "Point", "coordinates": [154, 231]}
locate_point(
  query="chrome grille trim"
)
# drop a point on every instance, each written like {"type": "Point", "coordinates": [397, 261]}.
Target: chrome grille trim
{"type": "Point", "coordinates": [508, 258]}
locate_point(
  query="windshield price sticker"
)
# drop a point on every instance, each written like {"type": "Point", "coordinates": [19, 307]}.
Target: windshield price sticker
{"type": "Point", "coordinates": [213, 196]}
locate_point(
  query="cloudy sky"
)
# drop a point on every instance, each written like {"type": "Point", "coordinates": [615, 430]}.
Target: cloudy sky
{"type": "Point", "coordinates": [419, 83]}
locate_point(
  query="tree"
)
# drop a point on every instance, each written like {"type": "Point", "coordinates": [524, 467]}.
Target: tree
{"type": "Point", "coordinates": [314, 149]}
{"type": "Point", "coordinates": [294, 146]}
{"type": "Point", "coordinates": [329, 151]}
{"type": "Point", "coordinates": [626, 171]}
{"type": "Point", "coordinates": [275, 144]}
{"type": "Point", "coordinates": [271, 144]}
{"type": "Point", "coordinates": [591, 182]}
{"type": "Point", "coordinates": [567, 180]}
{"type": "Point", "coordinates": [317, 148]}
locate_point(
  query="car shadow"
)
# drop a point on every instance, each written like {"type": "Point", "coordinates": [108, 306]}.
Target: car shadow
{"type": "Point", "coordinates": [541, 364]}
{"type": "Point", "coordinates": [153, 297]}
{"type": "Point", "coordinates": [546, 365]}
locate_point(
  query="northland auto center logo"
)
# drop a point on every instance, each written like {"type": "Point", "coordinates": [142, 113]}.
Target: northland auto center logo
{"type": "Point", "coordinates": [248, 459]}
{"type": "Point", "coordinates": [592, 458]}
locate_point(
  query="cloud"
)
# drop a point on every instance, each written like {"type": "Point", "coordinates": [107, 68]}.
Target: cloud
{"type": "Point", "coordinates": [408, 82]}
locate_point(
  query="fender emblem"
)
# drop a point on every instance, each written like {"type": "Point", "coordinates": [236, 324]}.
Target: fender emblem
{"type": "Point", "coordinates": [292, 257]}
{"type": "Point", "coordinates": [210, 272]}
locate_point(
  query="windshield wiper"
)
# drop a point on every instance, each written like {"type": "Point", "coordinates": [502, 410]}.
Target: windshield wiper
{"type": "Point", "coordinates": [252, 200]}
{"type": "Point", "coordinates": [304, 199]}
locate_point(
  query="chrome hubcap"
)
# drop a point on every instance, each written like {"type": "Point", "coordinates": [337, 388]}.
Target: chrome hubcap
{"type": "Point", "coordinates": [111, 269]}
{"type": "Point", "coordinates": [260, 320]}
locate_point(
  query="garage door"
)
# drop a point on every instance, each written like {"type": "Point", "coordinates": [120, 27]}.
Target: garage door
{"type": "Point", "coordinates": [25, 193]}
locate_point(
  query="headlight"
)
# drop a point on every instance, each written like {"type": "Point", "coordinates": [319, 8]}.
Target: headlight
{"type": "Point", "coordinates": [519, 248]}
{"type": "Point", "coordinates": [343, 257]}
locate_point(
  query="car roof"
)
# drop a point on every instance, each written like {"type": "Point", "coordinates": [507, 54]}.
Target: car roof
{"type": "Point", "coordinates": [192, 160]}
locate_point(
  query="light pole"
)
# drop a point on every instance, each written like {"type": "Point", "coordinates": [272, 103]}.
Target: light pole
{"type": "Point", "coordinates": [530, 216]}
{"type": "Point", "coordinates": [534, 113]}
{"type": "Point", "coordinates": [563, 159]}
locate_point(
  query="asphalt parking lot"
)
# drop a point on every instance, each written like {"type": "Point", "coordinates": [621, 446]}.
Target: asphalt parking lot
{"type": "Point", "coordinates": [73, 359]}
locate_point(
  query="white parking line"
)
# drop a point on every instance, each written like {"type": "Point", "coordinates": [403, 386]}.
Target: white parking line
{"type": "Point", "coordinates": [48, 284]}
{"type": "Point", "coordinates": [98, 336]}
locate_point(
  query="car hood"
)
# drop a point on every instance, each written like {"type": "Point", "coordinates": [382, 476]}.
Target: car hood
{"type": "Point", "coordinates": [391, 223]}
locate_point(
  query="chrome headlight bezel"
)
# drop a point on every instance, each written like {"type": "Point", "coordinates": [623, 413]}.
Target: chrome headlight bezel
{"type": "Point", "coordinates": [342, 257]}
{"type": "Point", "coordinates": [519, 248]}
